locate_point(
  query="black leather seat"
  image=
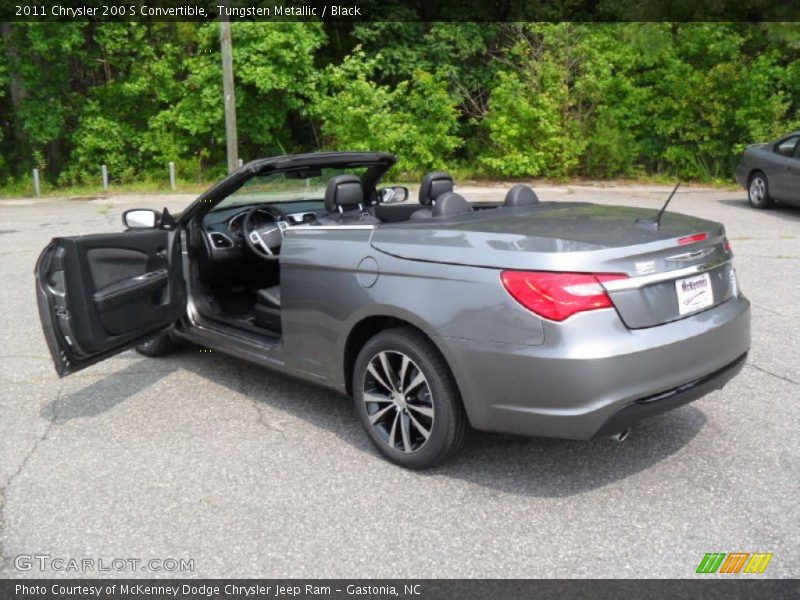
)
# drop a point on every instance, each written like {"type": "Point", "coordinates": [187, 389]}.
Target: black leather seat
{"type": "Point", "coordinates": [344, 198]}
{"type": "Point", "coordinates": [450, 204]}
{"type": "Point", "coordinates": [432, 187]}
{"type": "Point", "coordinates": [267, 311]}
{"type": "Point", "coordinates": [521, 195]}
{"type": "Point", "coordinates": [270, 296]}
{"type": "Point", "coordinates": [344, 201]}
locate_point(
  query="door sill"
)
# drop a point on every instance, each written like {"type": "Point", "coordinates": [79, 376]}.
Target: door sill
{"type": "Point", "coordinates": [244, 324]}
{"type": "Point", "coordinates": [232, 328]}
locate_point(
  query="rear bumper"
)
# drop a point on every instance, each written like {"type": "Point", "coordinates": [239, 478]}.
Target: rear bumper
{"type": "Point", "coordinates": [635, 411]}
{"type": "Point", "coordinates": [593, 375]}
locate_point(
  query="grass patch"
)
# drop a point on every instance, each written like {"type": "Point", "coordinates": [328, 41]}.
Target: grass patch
{"type": "Point", "coordinates": [20, 189]}
{"type": "Point", "coordinates": [23, 190]}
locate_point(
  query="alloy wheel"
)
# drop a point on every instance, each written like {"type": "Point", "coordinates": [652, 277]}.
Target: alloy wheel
{"type": "Point", "coordinates": [398, 400]}
{"type": "Point", "coordinates": [758, 190]}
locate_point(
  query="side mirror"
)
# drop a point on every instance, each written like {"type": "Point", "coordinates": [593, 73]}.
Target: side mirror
{"type": "Point", "coordinates": [393, 195]}
{"type": "Point", "coordinates": [140, 218]}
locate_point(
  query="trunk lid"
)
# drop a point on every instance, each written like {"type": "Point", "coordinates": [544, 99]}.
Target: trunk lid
{"type": "Point", "coordinates": [585, 238]}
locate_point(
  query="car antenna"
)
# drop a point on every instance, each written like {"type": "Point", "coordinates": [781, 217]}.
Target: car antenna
{"type": "Point", "coordinates": [656, 223]}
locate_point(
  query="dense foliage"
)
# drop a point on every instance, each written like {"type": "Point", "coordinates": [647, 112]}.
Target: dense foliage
{"type": "Point", "coordinates": [495, 100]}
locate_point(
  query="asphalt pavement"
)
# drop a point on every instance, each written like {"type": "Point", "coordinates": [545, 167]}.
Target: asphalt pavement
{"type": "Point", "coordinates": [247, 473]}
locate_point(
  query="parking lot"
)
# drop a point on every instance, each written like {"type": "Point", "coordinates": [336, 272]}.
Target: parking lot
{"type": "Point", "coordinates": [250, 473]}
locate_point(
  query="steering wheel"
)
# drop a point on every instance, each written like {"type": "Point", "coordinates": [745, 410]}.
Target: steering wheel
{"type": "Point", "coordinates": [264, 239]}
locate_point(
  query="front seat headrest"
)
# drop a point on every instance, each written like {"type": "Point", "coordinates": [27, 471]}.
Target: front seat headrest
{"type": "Point", "coordinates": [449, 204]}
{"type": "Point", "coordinates": [521, 195]}
{"type": "Point", "coordinates": [345, 191]}
{"type": "Point", "coordinates": [434, 185]}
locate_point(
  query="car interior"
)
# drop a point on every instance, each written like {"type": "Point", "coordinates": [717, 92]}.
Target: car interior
{"type": "Point", "coordinates": [235, 267]}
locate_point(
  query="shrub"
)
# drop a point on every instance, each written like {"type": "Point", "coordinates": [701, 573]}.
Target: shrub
{"type": "Point", "coordinates": [416, 119]}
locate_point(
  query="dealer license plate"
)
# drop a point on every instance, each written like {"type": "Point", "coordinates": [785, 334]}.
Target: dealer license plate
{"type": "Point", "coordinates": [694, 293]}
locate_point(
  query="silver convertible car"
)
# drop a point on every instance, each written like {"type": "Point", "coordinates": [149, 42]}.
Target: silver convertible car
{"type": "Point", "coordinates": [559, 319]}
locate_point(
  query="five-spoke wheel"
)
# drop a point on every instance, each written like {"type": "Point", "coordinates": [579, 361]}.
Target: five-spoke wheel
{"type": "Point", "coordinates": [758, 191]}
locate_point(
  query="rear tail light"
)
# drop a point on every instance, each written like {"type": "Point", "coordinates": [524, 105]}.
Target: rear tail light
{"type": "Point", "coordinates": [691, 239]}
{"type": "Point", "coordinates": [557, 296]}
{"type": "Point", "coordinates": [727, 245]}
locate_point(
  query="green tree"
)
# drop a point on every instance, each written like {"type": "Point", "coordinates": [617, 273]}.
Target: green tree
{"type": "Point", "coordinates": [531, 121]}
{"type": "Point", "coordinates": [510, 100]}
{"type": "Point", "coordinates": [415, 119]}
{"type": "Point", "coordinates": [274, 69]}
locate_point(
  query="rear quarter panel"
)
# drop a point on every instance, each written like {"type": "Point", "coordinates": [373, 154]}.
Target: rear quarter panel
{"type": "Point", "coordinates": [325, 294]}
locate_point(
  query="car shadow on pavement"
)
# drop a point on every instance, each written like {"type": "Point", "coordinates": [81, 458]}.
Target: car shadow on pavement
{"type": "Point", "coordinates": [104, 394]}
{"type": "Point", "coordinates": [778, 209]}
{"type": "Point", "coordinates": [543, 467]}
{"type": "Point", "coordinates": [537, 467]}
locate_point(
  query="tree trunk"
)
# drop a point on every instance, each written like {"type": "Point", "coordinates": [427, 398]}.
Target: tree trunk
{"type": "Point", "coordinates": [15, 84]}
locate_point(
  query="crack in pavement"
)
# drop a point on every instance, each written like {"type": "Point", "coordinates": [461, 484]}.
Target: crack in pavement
{"type": "Point", "coordinates": [770, 310]}
{"type": "Point", "coordinates": [259, 413]}
{"type": "Point", "coordinates": [781, 377]}
{"type": "Point", "coordinates": [5, 558]}
{"type": "Point", "coordinates": [777, 257]}
{"type": "Point", "coordinates": [263, 422]}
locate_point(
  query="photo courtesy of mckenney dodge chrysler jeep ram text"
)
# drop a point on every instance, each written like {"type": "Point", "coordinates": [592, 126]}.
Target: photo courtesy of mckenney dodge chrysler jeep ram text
{"type": "Point", "coordinates": [559, 319]}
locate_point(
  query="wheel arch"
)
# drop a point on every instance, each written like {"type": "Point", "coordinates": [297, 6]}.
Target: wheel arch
{"type": "Point", "coordinates": [371, 325]}
{"type": "Point", "coordinates": [753, 171]}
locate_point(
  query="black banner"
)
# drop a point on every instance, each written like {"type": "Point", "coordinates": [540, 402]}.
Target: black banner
{"type": "Point", "coordinates": [391, 589]}
{"type": "Point", "coordinates": [401, 10]}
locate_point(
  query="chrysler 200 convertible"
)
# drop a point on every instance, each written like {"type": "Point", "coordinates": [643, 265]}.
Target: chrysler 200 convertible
{"type": "Point", "coordinates": [559, 319]}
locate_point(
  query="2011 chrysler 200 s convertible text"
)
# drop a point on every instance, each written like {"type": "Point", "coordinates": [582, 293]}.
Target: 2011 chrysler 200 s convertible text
{"type": "Point", "coordinates": [558, 319]}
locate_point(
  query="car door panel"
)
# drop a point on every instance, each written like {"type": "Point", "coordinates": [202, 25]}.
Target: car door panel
{"type": "Point", "coordinates": [129, 301]}
{"type": "Point", "coordinates": [793, 192]}
{"type": "Point", "coordinates": [783, 178]}
{"type": "Point", "coordinates": [99, 294]}
{"type": "Point", "coordinates": [108, 265]}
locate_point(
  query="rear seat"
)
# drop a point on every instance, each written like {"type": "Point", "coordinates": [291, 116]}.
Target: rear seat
{"type": "Point", "coordinates": [521, 195]}
{"type": "Point", "coordinates": [432, 187]}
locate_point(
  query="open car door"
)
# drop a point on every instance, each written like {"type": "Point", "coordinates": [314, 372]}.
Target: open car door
{"type": "Point", "coordinates": [101, 294]}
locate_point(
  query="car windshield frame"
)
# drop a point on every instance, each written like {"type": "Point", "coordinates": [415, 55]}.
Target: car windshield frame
{"type": "Point", "coordinates": [283, 187]}
{"type": "Point", "coordinates": [376, 163]}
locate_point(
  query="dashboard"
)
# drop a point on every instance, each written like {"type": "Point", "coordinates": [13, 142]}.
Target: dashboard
{"type": "Point", "coordinates": [224, 228]}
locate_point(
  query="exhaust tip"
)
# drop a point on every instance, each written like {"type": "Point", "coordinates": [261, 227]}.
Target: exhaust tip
{"type": "Point", "coordinates": [621, 436]}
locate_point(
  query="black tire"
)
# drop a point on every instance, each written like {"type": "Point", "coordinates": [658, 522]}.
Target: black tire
{"type": "Point", "coordinates": [438, 393]}
{"type": "Point", "coordinates": [158, 345]}
{"type": "Point", "coordinates": [758, 191]}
